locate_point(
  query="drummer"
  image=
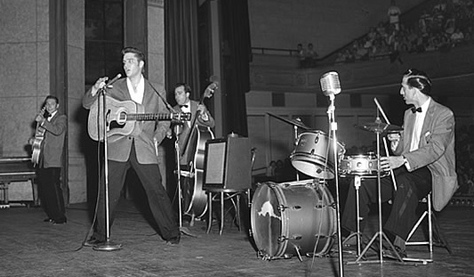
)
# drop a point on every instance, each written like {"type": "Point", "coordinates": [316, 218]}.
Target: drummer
{"type": "Point", "coordinates": [423, 161]}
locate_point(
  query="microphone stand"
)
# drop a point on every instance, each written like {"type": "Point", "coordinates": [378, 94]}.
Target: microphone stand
{"type": "Point", "coordinates": [107, 245]}
{"type": "Point", "coordinates": [332, 129]}
{"type": "Point", "coordinates": [177, 130]}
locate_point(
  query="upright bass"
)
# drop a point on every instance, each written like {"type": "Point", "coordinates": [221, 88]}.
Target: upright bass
{"type": "Point", "coordinates": [194, 197]}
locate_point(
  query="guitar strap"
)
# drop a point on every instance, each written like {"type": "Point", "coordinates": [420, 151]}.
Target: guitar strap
{"type": "Point", "coordinates": [162, 98]}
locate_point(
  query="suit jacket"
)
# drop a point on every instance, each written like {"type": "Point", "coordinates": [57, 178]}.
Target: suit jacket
{"type": "Point", "coordinates": [186, 131]}
{"type": "Point", "coordinates": [53, 142]}
{"type": "Point", "coordinates": [144, 132]}
{"type": "Point", "coordinates": [435, 150]}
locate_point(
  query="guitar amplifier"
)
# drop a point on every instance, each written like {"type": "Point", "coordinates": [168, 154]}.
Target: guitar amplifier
{"type": "Point", "coordinates": [227, 163]}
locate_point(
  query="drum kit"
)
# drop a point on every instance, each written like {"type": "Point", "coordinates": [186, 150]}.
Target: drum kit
{"type": "Point", "coordinates": [299, 218]}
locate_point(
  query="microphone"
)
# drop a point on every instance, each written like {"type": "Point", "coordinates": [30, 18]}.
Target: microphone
{"type": "Point", "coordinates": [330, 84]}
{"type": "Point", "coordinates": [109, 83]}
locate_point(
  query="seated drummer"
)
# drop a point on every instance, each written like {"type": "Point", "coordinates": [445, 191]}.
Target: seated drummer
{"type": "Point", "coordinates": [423, 161]}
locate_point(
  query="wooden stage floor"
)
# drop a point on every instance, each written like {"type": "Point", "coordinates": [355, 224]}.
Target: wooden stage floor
{"type": "Point", "coordinates": [31, 247]}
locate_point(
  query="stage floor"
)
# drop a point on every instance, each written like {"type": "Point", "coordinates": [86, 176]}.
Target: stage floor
{"type": "Point", "coordinates": [31, 247]}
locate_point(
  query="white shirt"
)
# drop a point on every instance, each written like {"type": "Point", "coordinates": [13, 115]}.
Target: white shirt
{"type": "Point", "coordinates": [136, 93]}
{"type": "Point", "coordinates": [51, 115]}
{"type": "Point", "coordinates": [420, 118]}
{"type": "Point", "coordinates": [186, 108]}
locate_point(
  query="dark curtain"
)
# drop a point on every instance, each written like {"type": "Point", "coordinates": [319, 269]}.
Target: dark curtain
{"type": "Point", "coordinates": [236, 54]}
{"type": "Point", "coordinates": [181, 46]}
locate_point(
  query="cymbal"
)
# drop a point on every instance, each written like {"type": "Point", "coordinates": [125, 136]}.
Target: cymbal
{"type": "Point", "coordinates": [379, 127]}
{"type": "Point", "coordinates": [295, 122]}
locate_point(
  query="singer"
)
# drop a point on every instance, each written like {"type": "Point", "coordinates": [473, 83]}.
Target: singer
{"type": "Point", "coordinates": [423, 161]}
{"type": "Point", "coordinates": [135, 151]}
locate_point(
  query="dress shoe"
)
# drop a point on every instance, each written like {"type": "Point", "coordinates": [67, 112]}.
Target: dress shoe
{"type": "Point", "coordinates": [50, 220]}
{"type": "Point", "coordinates": [392, 253]}
{"type": "Point", "coordinates": [91, 242]}
{"type": "Point", "coordinates": [174, 240]}
{"type": "Point", "coordinates": [59, 222]}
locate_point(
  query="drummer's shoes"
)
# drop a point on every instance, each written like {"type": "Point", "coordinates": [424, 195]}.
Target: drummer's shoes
{"type": "Point", "coordinates": [392, 253]}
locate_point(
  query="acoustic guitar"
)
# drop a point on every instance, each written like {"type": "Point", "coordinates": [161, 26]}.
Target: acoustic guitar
{"type": "Point", "coordinates": [37, 145]}
{"type": "Point", "coordinates": [121, 117]}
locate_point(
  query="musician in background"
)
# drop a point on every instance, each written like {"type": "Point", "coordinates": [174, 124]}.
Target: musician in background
{"type": "Point", "coordinates": [199, 114]}
{"type": "Point", "coordinates": [423, 161]}
{"type": "Point", "coordinates": [136, 150]}
{"type": "Point", "coordinates": [50, 161]}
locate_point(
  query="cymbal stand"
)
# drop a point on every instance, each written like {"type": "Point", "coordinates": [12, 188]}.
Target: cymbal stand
{"type": "Point", "coordinates": [380, 234]}
{"type": "Point", "coordinates": [107, 245]}
{"type": "Point", "coordinates": [295, 132]}
{"type": "Point", "coordinates": [333, 128]}
{"type": "Point", "coordinates": [177, 130]}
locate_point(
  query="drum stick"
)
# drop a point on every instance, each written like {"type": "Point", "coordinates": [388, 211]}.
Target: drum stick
{"type": "Point", "coordinates": [381, 110]}
{"type": "Point", "coordinates": [391, 171]}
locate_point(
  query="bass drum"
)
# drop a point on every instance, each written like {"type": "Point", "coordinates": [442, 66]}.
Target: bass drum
{"type": "Point", "coordinates": [293, 218]}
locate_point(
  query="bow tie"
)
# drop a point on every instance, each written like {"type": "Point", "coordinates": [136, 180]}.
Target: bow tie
{"type": "Point", "coordinates": [414, 110]}
{"type": "Point", "coordinates": [183, 106]}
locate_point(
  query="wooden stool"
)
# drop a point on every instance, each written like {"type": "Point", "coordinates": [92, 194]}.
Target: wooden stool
{"type": "Point", "coordinates": [434, 233]}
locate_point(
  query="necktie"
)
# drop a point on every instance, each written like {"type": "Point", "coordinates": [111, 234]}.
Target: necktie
{"type": "Point", "coordinates": [414, 110]}
{"type": "Point", "coordinates": [183, 106]}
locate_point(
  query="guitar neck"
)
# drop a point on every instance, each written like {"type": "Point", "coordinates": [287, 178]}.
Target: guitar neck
{"type": "Point", "coordinates": [148, 116]}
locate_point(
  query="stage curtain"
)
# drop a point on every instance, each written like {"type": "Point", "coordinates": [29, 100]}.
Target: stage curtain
{"type": "Point", "coordinates": [181, 46]}
{"type": "Point", "coordinates": [236, 56]}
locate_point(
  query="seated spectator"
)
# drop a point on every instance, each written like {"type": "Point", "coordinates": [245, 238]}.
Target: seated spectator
{"type": "Point", "coordinates": [311, 56]}
{"type": "Point", "coordinates": [457, 37]}
{"type": "Point", "coordinates": [301, 54]}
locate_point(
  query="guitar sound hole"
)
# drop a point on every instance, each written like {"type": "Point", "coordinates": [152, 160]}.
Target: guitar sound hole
{"type": "Point", "coordinates": [114, 125]}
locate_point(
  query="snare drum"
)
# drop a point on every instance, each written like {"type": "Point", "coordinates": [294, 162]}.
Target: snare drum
{"type": "Point", "coordinates": [292, 218]}
{"type": "Point", "coordinates": [365, 165]}
{"type": "Point", "coordinates": [314, 155]}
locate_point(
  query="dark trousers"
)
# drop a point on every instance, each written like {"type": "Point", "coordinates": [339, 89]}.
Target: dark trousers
{"type": "Point", "coordinates": [412, 186]}
{"type": "Point", "coordinates": [51, 194]}
{"type": "Point", "coordinates": [150, 177]}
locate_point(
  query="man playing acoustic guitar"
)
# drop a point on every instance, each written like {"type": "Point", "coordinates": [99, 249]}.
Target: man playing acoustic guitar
{"type": "Point", "coordinates": [47, 155]}
{"type": "Point", "coordinates": [136, 150]}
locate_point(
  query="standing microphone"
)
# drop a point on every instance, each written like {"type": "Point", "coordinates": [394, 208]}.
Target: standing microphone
{"type": "Point", "coordinates": [330, 84]}
{"type": "Point", "coordinates": [109, 84]}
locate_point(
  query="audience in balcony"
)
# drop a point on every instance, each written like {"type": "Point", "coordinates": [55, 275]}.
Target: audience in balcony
{"type": "Point", "coordinates": [311, 56]}
{"type": "Point", "coordinates": [301, 54]}
{"type": "Point", "coordinates": [448, 24]}
{"type": "Point", "coordinates": [307, 57]}
{"type": "Point", "coordinates": [394, 13]}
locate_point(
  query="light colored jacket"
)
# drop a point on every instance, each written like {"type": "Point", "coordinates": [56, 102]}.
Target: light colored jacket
{"type": "Point", "coordinates": [144, 132]}
{"type": "Point", "coordinates": [435, 150]}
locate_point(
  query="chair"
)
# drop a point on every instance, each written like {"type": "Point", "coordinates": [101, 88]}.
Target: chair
{"type": "Point", "coordinates": [435, 236]}
{"type": "Point", "coordinates": [220, 195]}
{"type": "Point", "coordinates": [231, 179]}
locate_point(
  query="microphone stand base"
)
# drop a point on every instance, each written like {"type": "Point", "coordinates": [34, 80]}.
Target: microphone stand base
{"type": "Point", "coordinates": [107, 246]}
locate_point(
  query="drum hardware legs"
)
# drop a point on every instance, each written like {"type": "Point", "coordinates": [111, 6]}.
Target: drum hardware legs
{"type": "Point", "coordinates": [380, 234]}
{"type": "Point", "coordinates": [297, 250]}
